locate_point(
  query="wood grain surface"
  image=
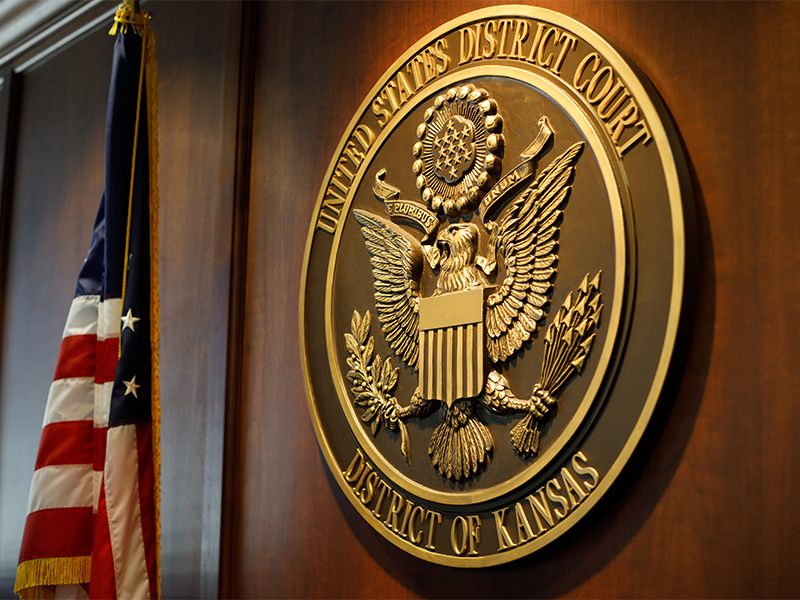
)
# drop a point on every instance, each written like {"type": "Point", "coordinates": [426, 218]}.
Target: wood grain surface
{"type": "Point", "coordinates": [710, 512]}
{"type": "Point", "coordinates": [707, 512]}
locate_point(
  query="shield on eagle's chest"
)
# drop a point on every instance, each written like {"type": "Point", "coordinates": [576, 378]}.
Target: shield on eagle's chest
{"type": "Point", "coordinates": [451, 345]}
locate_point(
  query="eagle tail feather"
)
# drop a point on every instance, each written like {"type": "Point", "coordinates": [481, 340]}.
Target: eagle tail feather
{"type": "Point", "coordinates": [461, 443]}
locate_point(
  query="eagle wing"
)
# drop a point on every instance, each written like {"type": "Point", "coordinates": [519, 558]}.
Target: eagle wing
{"type": "Point", "coordinates": [396, 260]}
{"type": "Point", "coordinates": [527, 240]}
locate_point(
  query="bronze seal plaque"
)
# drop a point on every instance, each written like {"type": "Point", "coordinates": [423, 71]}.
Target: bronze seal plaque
{"type": "Point", "coordinates": [492, 285]}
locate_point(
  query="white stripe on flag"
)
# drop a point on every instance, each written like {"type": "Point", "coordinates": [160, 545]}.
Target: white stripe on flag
{"type": "Point", "coordinates": [124, 515]}
{"type": "Point", "coordinates": [102, 403]}
{"type": "Point", "coordinates": [97, 482]}
{"type": "Point", "coordinates": [108, 318]}
{"type": "Point", "coordinates": [70, 399]}
{"type": "Point", "coordinates": [82, 317]}
{"type": "Point", "coordinates": [61, 486]}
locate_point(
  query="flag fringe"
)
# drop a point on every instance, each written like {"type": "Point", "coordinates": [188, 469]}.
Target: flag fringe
{"type": "Point", "coordinates": [151, 71]}
{"type": "Point", "coordinates": [33, 576]}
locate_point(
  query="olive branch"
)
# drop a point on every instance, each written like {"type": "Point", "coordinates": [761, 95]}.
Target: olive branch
{"type": "Point", "coordinates": [373, 379]}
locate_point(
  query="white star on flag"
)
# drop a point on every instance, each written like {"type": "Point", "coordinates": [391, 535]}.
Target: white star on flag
{"type": "Point", "coordinates": [131, 387]}
{"type": "Point", "coordinates": [129, 320]}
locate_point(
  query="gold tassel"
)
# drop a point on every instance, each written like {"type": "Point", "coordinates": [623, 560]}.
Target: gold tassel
{"type": "Point", "coordinates": [36, 575]}
{"type": "Point", "coordinates": [125, 16]}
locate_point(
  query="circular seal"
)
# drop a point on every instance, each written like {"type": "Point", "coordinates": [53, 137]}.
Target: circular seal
{"type": "Point", "coordinates": [487, 321]}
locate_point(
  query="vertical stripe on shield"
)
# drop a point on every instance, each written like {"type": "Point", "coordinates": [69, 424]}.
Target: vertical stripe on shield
{"type": "Point", "coordinates": [451, 362]}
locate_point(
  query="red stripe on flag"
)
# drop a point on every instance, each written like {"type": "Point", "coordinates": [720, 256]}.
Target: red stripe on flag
{"type": "Point", "coordinates": [103, 583]}
{"type": "Point", "coordinates": [85, 356]}
{"type": "Point", "coordinates": [76, 358]}
{"type": "Point", "coordinates": [66, 443]}
{"type": "Point", "coordinates": [100, 435]}
{"type": "Point", "coordinates": [144, 449]}
{"type": "Point", "coordinates": [57, 532]}
{"type": "Point", "coordinates": [107, 356]}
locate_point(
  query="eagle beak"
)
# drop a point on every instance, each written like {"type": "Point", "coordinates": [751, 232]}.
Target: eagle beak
{"type": "Point", "coordinates": [443, 241]}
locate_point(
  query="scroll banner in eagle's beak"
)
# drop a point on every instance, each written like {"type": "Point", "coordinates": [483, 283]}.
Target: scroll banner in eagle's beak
{"type": "Point", "coordinates": [520, 175]}
{"type": "Point", "coordinates": [412, 212]}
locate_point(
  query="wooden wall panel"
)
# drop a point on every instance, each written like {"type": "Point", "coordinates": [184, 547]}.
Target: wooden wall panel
{"type": "Point", "coordinates": [711, 512]}
{"type": "Point", "coordinates": [198, 80]}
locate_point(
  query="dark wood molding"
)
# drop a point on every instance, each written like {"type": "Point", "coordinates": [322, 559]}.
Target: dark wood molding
{"type": "Point", "coordinates": [218, 382]}
{"type": "Point", "coordinates": [9, 106]}
{"type": "Point", "coordinates": [236, 306]}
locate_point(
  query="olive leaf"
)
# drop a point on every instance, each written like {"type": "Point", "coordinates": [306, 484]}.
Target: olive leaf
{"type": "Point", "coordinates": [373, 380]}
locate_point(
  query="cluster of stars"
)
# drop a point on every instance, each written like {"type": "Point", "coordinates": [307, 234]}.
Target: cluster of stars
{"type": "Point", "coordinates": [456, 151]}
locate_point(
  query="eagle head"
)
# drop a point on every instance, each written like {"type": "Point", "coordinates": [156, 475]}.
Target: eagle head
{"type": "Point", "coordinates": [458, 244]}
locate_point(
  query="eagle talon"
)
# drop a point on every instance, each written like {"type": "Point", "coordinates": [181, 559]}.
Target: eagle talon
{"type": "Point", "coordinates": [537, 412]}
{"type": "Point", "coordinates": [404, 412]}
{"type": "Point", "coordinates": [389, 413]}
{"type": "Point", "coordinates": [418, 407]}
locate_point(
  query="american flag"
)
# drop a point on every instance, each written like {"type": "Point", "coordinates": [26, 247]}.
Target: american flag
{"type": "Point", "coordinates": [92, 524]}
